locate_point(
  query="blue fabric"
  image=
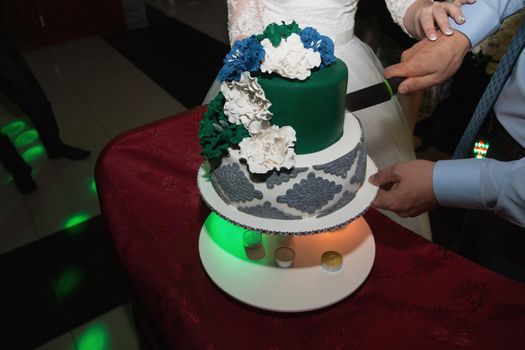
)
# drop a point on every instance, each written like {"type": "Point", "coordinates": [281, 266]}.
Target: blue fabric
{"type": "Point", "coordinates": [508, 109]}
{"type": "Point", "coordinates": [485, 183]}
{"type": "Point", "coordinates": [483, 18]}
{"type": "Point", "coordinates": [493, 90]}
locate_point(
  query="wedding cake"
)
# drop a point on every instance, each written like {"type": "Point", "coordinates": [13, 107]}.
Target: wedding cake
{"type": "Point", "coordinates": [278, 142]}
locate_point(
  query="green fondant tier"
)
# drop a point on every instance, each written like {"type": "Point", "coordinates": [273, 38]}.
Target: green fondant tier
{"type": "Point", "coordinates": [314, 107]}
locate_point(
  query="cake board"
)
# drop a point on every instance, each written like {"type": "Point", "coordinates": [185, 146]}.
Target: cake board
{"type": "Point", "coordinates": [252, 276]}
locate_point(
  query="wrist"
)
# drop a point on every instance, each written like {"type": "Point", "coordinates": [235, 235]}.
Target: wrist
{"type": "Point", "coordinates": [461, 41]}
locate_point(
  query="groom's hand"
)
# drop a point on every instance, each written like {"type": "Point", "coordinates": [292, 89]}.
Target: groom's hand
{"type": "Point", "coordinates": [405, 188]}
{"type": "Point", "coordinates": [429, 63]}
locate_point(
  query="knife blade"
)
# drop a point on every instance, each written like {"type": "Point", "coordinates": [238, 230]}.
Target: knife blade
{"type": "Point", "coordinates": [372, 95]}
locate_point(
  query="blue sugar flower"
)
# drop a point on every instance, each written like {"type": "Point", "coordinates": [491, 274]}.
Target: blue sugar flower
{"type": "Point", "coordinates": [326, 49]}
{"type": "Point", "coordinates": [245, 56]}
{"type": "Point", "coordinates": [311, 39]}
{"type": "Point", "coordinates": [231, 71]}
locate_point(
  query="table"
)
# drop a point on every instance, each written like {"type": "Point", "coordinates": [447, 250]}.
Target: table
{"type": "Point", "coordinates": [417, 296]}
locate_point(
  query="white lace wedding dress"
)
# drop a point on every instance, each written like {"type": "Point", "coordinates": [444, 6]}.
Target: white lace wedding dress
{"type": "Point", "coordinates": [387, 137]}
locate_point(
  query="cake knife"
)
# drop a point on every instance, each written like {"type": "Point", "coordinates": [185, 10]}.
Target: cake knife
{"type": "Point", "coordinates": [372, 95]}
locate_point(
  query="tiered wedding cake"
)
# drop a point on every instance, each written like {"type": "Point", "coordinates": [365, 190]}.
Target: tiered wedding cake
{"type": "Point", "coordinates": [281, 150]}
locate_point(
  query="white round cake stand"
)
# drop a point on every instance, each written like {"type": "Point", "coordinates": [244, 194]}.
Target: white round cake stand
{"type": "Point", "coordinates": [252, 276]}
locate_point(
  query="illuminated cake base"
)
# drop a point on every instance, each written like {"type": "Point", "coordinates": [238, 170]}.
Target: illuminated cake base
{"type": "Point", "coordinates": [252, 276]}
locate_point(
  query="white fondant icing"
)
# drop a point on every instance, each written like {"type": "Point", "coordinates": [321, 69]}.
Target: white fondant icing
{"type": "Point", "coordinates": [351, 139]}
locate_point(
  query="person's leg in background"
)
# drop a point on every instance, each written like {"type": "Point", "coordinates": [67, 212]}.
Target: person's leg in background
{"type": "Point", "coordinates": [16, 165]}
{"type": "Point", "coordinates": [18, 83]}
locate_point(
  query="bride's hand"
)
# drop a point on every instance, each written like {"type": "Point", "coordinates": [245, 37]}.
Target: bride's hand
{"type": "Point", "coordinates": [436, 14]}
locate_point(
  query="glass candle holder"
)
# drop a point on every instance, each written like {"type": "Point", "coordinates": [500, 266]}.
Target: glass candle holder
{"type": "Point", "coordinates": [251, 239]}
{"type": "Point", "coordinates": [284, 257]}
{"type": "Point", "coordinates": [331, 261]}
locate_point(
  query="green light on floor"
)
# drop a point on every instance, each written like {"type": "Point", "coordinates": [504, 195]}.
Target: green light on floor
{"type": "Point", "coordinates": [93, 185]}
{"type": "Point", "coordinates": [95, 337]}
{"type": "Point", "coordinates": [14, 128]}
{"type": "Point", "coordinates": [68, 281]}
{"type": "Point", "coordinates": [26, 138]}
{"type": "Point", "coordinates": [76, 219]}
{"type": "Point", "coordinates": [33, 153]}
{"type": "Point", "coordinates": [8, 178]}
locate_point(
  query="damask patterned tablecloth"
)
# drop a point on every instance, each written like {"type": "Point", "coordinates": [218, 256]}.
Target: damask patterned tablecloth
{"type": "Point", "coordinates": [417, 296]}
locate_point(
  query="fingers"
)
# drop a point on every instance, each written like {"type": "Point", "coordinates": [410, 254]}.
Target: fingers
{"type": "Point", "coordinates": [414, 84]}
{"type": "Point", "coordinates": [462, 2]}
{"type": "Point", "coordinates": [416, 81]}
{"type": "Point", "coordinates": [396, 70]}
{"type": "Point", "coordinates": [455, 13]}
{"type": "Point", "coordinates": [384, 178]}
{"type": "Point", "coordinates": [388, 200]}
{"type": "Point", "coordinates": [383, 200]}
{"type": "Point", "coordinates": [403, 69]}
{"type": "Point", "coordinates": [395, 202]}
{"type": "Point", "coordinates": [441, 17]}
{"type": "Point", "coordinates": [437, 15]}
{"type": "Point", "coordinates": [427, 23]}
{"type": "Point", "coordinates": [405, 188]}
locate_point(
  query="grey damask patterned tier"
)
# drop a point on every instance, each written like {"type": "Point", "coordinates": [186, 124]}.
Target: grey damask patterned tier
{"type": "Point", "coordinates": [307, 190]}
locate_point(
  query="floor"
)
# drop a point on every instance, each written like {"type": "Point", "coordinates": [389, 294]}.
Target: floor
{"type": "Point", "coordinates": [67, 274]}
{"type": "Point", "coordinates": [62, 287]}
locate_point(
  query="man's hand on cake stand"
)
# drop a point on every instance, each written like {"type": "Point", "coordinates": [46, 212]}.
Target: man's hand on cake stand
{"type": "Point", "coordinates": [405, 188]}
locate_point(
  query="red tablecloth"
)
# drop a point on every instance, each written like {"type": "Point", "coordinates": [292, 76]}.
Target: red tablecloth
{"type": "Point", "coordinates": [417, 296]}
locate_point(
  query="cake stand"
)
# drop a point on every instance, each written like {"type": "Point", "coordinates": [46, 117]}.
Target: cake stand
{"type": "Point", "coordinates": [252, 276]}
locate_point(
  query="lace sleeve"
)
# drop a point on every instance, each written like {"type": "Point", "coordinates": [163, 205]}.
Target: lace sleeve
{"type": "Point", "coordinates": [397, 9]}
{"type": "Point", "coordinates": [244, 18]}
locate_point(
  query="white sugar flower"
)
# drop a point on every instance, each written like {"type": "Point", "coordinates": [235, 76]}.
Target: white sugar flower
{"type": "Point", "coordinates": [245, 101]}
{"type": "Point", "coordinates": [290, 59]}
{"type": "Point", "coordinates": [271, 148]}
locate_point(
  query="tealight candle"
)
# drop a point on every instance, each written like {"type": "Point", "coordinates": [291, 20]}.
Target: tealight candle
{"type": "Point", "coordinates": [331, 261]}
{"type": "Point", "coordinates": [251, 239]}
{"type": "Point", "coordinates": [284, 257]}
